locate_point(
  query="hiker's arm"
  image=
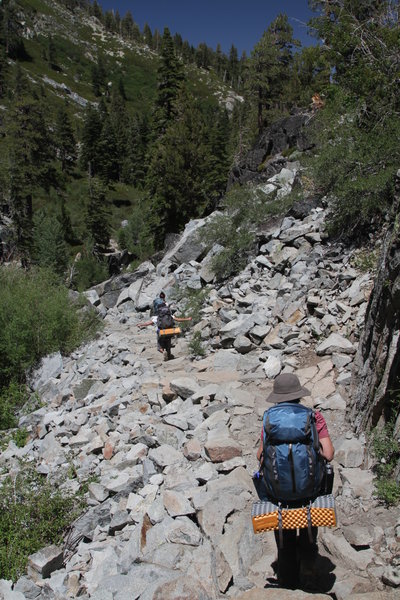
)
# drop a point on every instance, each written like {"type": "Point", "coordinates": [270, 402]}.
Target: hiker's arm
{"type": "Point", "coordinates": [327, 450]}
{"type": "Point", "coordinates": [140, 325]}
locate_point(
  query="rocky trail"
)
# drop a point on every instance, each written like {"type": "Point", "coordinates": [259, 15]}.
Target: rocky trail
{"type": "Point", "coordinates": [170, 447]}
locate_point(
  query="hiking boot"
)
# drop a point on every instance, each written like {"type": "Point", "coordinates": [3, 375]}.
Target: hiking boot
{"type": "Point", "coordinates": [166, 357]}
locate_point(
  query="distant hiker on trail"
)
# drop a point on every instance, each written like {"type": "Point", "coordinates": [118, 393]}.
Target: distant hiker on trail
{"type": "Point", "coordinates": [293, 451]}
{"type": "Point", "coordinates": [166, 328]}
{"type": "Point", "coordinates": [159, 301]}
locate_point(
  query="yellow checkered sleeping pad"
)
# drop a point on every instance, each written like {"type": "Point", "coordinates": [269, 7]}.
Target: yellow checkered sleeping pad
{"type": "Point", "coordinates": [170, 331]}
{"type": "Point", "coordinates": [322, 512]}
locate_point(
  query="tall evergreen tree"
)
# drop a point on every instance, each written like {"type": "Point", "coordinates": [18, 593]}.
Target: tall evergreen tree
{"type": "Point", "coordinates": [4, 69]}
{"type": "Point", "coordinates": [91, 132]}
{"type": "Point", "coordinates": [147, 35]}
{"type": "Point", "coordinates": [66, 224]}
{"type": "Point", "coordinates": [12, 30]}
{"type": "Point", "coordinates": [134, 166]}
{"type": "Point", "coordinates": [157, 40]}
{"type": "Point", "coordinates": [65, 140]}
{"type": "Point", "coordinates": [233, 66]}
{"type": "Point", "coordinates": [170, 78]}
{"type": "Point", "coordinates": [51, 53]}
{"type": "Point", "coordinates": [49, 247]}
{"type": "Point", "coordinates": [108, 164]}
{"type": "Point", "coordinates": [219, 61]}
{"type": "Point", "coordinates": [127, 24]}
{"type": "Point", "coordinates": [268, 70]}
{"type": "Point", "coordinates": [362, 104]}
{"type": "Point", "coordinates": [30, 160]}
{"type": "Point", "coordinates": [98, 216]}
{"type": "Point", "coordinates": [177, 176]}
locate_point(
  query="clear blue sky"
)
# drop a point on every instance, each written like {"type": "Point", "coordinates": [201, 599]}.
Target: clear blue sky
{"type": "Point", "coordinates": [237, 22]}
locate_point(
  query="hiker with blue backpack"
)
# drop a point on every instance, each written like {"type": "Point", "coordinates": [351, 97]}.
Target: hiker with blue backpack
{"type": "Point", "coordinates": [294, 450]}
{"type": "Point", "coordinates": [157, 303]}
{"type": "Point", "coordinates": [164, 321]}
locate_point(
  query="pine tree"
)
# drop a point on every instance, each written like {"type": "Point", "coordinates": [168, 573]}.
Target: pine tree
{"type": "Point", "coordinates": [357, 132]}
{"type": "Point", "coordinates": [170, 79]}
{"type": "Point", "coordinates": [51, 53]}
{"type": "Point", "coordinates": [12, 30]}
{"type": "Point", "coordinates": [177, 176]}
{"type": "Point", "coordinates": [217, 155]}
{"type": "Point", "coordinates": [98, 75]}
{"type": "Point", "coordinates": [30, 160]}
{"type": "Point", "coordinates": [98, 216]}
{"type": "Point", "coordinates": [127, 24]}
{"type": "Point", "coordinates": [3, 56]}
{"type": "Point", "coordinates": [49, 247]}
{"type": "Point", "coordinates": [91, 132]}
{"type": "Point", "coordinates": [233, 66]}
{"type": "Point", "coordinates": [65, 140]}
{"type": "Point", "coordinates": [268, 70]}
{"type": "Point", "coordinates": [147, 35]}
{"type": "Point", "coordinates": [109, 21]}
{"type": "Point", "coordinates": [134, 166]}
{"type": "Point", "coordinates": [178, 42]}
{"type": "Point", "coordinates": [66, 224]}
{"type": "Point", "coordinates": [97, 10]}
{"type": "Point", "coordinates": [219, 61]}
{"type": "Point", "coordinates": [108, 166]}
{"type": "Point", "coordinates": [157, 40]}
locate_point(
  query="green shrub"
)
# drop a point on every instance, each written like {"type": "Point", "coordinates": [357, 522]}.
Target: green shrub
{"type": "Point", "coordinates": [137, 236]}
{"type": "Point", "coordinates": [191, 302]}
{"type": "Point", "coordinates": [386, 449]}
{"type": "Point", "coordinates": [89, 271]}
{"type": "Point", "coordinates": [359, 185]}
{"type": "Point", "coordinates": [50, 249]}
{"type": "Point", "coordinates": [37, 318]}
{"type": "Point", "coordinates": [33, 513]}
{"type": "Point", "coordinates": [195, 345]}
{"type": "Point", "coordinates": [235, 229]}
{"type": "Point", "coordinates": [12, 397]}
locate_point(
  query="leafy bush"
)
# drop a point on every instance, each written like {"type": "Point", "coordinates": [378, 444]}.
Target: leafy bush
{"type": "Point", "coordinates": [12, 397]}
{"type": "Point", "coordinates": [88, 271]}
{"type": "Point", "coordinates": [136, 236]}
{"type": "Point", "coordinates": [33, 513]}
{"type": "Point", "coordinates": [386, 449]}
{"type": "Point", "coordinates": [355, 164]}
{"type": "Point", "coordinates": [245, 209]}
{"type": "Point", "coordinates": [190, 303]}
{"type": "Point", "coordinates": [195, 345]}
{"type": "Point", "coordinates": [37, 318]}
{"type": "Point", "coordinates": [50, 249]}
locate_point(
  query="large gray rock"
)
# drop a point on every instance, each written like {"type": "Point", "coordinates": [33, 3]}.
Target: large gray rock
{"type": "Point", "coordinates": [45, 561]}
{"type": "Point", "coordinates": [51, 366]}
{"type": "Point", "coordinates": [335, 343]}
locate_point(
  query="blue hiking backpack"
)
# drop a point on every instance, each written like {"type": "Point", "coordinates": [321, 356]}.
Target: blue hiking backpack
{"type": "Point", "coordinates": [158, 302]}
{"type": "Point", "coordinates": [293, 467]}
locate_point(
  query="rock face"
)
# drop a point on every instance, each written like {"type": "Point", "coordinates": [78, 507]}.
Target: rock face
{"type": "Point", "coordinates": [284, 134]}
{"type": "Point", "coordinates": [376, 367]}
{"type": "Point", "coordinates": [169, 447]}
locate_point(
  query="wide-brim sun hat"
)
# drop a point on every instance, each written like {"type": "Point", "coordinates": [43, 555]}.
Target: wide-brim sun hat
{"type": "Point", "coordinates": [287, 387]}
